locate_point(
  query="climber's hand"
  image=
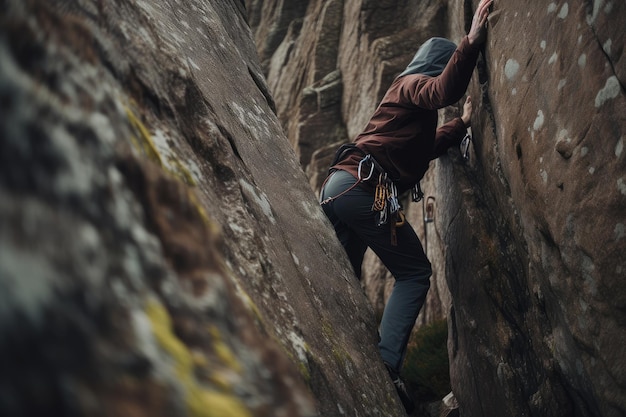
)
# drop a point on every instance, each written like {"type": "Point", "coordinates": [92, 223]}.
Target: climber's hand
{"type": "Point", "coordinates": [467, 112]}
{"type": "Point", "coordinates": [478, 31]}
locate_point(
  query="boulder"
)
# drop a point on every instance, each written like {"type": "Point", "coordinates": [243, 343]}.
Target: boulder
{"type": "Point", "coordinates": [161, 250]}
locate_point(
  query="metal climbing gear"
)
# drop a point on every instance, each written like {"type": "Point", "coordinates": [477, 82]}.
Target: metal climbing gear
{"type": "Point", "coordinates": [380, 194]}
{"type": "Point", "coordinates": [368, 158]}
{"type": "Point", "coordinates": [465, 145]}
{"type": "Point", "coordinates": [416, 192]}
{"type": "Point", "coordinates": [373, 167]}
{"type": "Point", "coordinates": [386, 204]}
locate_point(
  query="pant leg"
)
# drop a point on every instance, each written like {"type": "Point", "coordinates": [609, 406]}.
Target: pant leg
{"type": "Point", "coordinates": [354, 246]}
{"type": "Point", "coordinates": [411, 270]}
{"type": "Point", "coordinates": [406, 261]}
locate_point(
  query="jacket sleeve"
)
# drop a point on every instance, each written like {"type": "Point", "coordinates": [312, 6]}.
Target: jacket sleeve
{"type": "Point", "coordinates": [448, 135]}
{"type": "Point", "coordinates": [437, 92]}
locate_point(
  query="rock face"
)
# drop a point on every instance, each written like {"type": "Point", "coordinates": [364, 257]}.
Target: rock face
{"type": "Point", "coordinates": [528, 236]}
{"type": "Point", "coordinates": [161, 250]}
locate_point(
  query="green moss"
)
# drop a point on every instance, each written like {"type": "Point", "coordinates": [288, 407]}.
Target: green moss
{"type": "Point", "coordinates": [426, 367]}
{"type": "Point", "coordinates": [327, 330]}
{"type": "Point", "coordinates": [201, 402]}
{"type": "Point", "coordinates": [341, 356]}
{"type": "Point", "coordinates": [304, 371]}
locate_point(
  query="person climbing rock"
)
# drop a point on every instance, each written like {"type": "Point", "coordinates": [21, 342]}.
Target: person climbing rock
{"type": "Point", "coordinates": [392, 154]}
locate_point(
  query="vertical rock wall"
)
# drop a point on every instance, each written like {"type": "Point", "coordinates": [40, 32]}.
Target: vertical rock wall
{"type": "Point", "coordinates": [528, 236]}
{"type": "Point", "coordinates": [549, 167]}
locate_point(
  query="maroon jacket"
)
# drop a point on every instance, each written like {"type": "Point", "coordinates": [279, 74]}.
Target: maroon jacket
{"type": "Point", "coordinates": [402, 135]}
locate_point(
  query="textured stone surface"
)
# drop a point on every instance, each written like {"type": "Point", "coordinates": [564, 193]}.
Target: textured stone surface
{"type": "Point", "coordinates": [561, 304]}
{"type": "Point", "coordinates": [529, 235]}
{"type": "Point", "coordinates": [161, 251]}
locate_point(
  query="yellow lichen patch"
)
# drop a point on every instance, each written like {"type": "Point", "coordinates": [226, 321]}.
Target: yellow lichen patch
{"type": "Point", "coordinates": [252, 307]}
{"type": "Point", "coordinates": [341, 355]}
{"type": "Point", "coordinates": [199, 359]}
{"type": "Point", "coordinates": [162, 329]}
{"type": "Point", "coordinates": [213, 227]}
{"type": "Point", "coordinates": [181, 172]}
{"type": "Point", "coordinates": [221, 380]}
{"type": "Point", "coordinates": [222, 350]}
{"type": "Point", "coordinates": [143, 141]}
{"type": "Point", "coordinates": [201, 402]}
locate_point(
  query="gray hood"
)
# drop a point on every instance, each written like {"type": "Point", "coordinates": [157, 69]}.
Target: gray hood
{"type": "Point", "coordinates": [431, 58]}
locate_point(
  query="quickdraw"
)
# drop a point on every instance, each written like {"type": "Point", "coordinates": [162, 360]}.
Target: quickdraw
{"type": "Point", "coordinates": [388, 207]}
{"type": "Point", "coordinates": [381, 194]}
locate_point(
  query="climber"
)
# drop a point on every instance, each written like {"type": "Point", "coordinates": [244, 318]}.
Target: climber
{"type": "Point", "coordinates": [390, 157]}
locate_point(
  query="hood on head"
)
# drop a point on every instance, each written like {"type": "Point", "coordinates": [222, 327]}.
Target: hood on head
{"type": "Point", "coordinates": [431, 58]}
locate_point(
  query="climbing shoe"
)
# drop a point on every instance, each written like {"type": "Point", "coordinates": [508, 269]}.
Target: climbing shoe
{"type": "Point", "coordinates": [407, 402]}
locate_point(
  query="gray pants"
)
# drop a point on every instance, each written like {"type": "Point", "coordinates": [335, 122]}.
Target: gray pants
{"type": "Point", "coordinates": [355, 224]}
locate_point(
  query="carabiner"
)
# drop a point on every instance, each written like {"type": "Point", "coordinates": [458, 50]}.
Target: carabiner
{"type": "Point", "coordinates": [367, 157]}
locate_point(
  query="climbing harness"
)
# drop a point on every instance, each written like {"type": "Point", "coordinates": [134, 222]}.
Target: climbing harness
{"type": "Point", "coordinates": [386, 203]}
{"type": "Point", "coordinates": [367, 159]}
{"type": "Point", "coordinates": [359, 179]}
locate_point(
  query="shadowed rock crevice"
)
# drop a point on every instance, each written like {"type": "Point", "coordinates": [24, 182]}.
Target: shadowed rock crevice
{"type": "Point", "coordinates": [260, 83]}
